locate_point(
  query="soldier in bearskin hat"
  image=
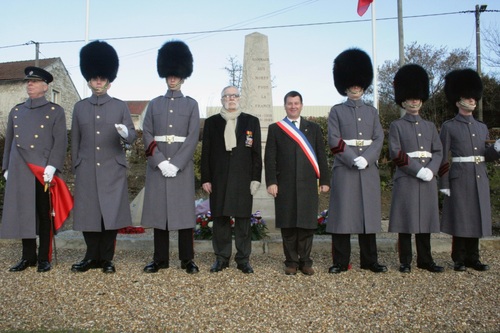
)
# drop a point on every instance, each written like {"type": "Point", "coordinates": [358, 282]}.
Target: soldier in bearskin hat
{"type": "Point", "coordinates": [415, 148]}
{"type": "Point", "coordinates": [355, 137]}
{"type": "Point", "coordinates": [170, 133]}
{"type": "Point", "coordinates": [101, 126]}
{"type": "Point", "coordinates": [34, 153]}
{"type": "Point", "coordinates": [466, 207]}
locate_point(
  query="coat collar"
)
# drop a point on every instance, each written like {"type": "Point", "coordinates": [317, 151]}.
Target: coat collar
{"type": "Point", "coordinates": [35, 102]}
{"type": "Point", "coordinates": [174, 94]}
{"type": "Point", "coordinates": [412, 118]}
{"type": "Point", "coordinates": [99, 100]}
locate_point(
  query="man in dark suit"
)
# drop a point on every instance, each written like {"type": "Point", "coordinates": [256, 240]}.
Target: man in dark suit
{"type": "Point", "coordinates": [231, 170]}
{"type": "Point", "coordinates": [295, 159]}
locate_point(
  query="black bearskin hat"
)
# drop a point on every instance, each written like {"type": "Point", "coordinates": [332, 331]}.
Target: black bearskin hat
{"type": "Point", "coordinates": [98, 59]}
{"type": "Point", "coordinates": [174, 59]}
{"type": "Point", "coordinates": [352, 67]}
{"type": "Point", "coordinates": [411, 82]}
{"type": "Point", "coordinates": [462, 83]}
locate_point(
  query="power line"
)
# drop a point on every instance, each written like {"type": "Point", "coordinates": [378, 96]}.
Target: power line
{"type": "Point", "coordinates": [251, 28]}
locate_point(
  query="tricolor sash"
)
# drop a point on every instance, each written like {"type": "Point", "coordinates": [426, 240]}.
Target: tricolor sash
{"type": "Point", "coordinates": [293, 132]}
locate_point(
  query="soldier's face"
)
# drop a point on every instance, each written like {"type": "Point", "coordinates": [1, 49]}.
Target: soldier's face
{"type": "Point", "coordinates": [293, 107]}
{"type": "Point", "coordinates": [355, 92]}
{"type": "Point", "coordinates": [99, 85]}
{"type": "Point", "coordinates": [36, 88]}
{"type": "Point", "coordinates": [174, 82]}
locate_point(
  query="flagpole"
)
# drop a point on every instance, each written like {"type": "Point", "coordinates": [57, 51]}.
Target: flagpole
{"type": "Point", "coordinates": [87, 19]}
{"type": "Point", "coordinates": [374, 56]}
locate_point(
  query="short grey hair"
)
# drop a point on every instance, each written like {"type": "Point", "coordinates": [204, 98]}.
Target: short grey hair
{"type": "Point", "coordinates": [231, 86]}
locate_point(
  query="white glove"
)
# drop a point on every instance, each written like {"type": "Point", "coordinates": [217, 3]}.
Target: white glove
{"type": "Point", "coordinates": [122, 130]}
{"type": "Point", "coordinates": [497, 146]}
{"type": "Point", "coordinates": [163, 167]}
{"type": "Point", "coordinates": [425, 174]}
{"type": "Point", "coordinates": [360, 162]}
{"type": "Point", "coordinates": [48, 173]}
{"type": "Point", "coordinates": [254, 187]}
{"type": "Point", "coordinates": [446, 191]}
{"type": "Point", "coordinates": [5, 174]}
{"type": "Point", "coordinates": [171, 170]}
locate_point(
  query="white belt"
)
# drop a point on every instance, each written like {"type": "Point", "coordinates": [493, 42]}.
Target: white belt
{"type": "Point", "coordinates": [419, 154]}
{"type": "Point", "coordinates": [169, 138]}
{"type": "Point", "coordinates": [358, 143]}
{"type": "Point", "coordinates": [476, 159]}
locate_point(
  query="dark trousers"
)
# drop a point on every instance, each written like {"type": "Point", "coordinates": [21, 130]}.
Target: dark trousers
{"type": "Point", "coordinates": [100, 244]}
{"type": "Point", "coordinates": [341, 249]}
{"type": "Point", "coordinates": [162, 245]}
{"type": "Point", "coordinates": [44, 228]}
{"type": "Point", "coordinates": [465, 249]}
{"type": "Point", "coordinates": [297, 246]}
{"type": "Point", "coordinates": [222, 240]}
{"type": "Point", "coordinates": [423, 244]}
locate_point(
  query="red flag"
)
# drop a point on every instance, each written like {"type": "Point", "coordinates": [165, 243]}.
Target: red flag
{"type": "Point", "coordinates": [61, 198]}
{"type": "Point", "coordinates": [363, 6]}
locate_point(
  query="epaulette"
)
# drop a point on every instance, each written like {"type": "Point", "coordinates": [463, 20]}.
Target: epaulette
{"type": "Point", "coordinates": [191, 98]}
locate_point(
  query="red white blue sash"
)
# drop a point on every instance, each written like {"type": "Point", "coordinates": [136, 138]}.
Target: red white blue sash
{"type": "Point", "coordinates": [293, 132]}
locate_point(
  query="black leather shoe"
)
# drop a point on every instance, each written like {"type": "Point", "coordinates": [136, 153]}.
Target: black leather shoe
{"type": "Point", "coordinates": [478, 266]}
{"type": "Point", "coordinates": [245, 268]}
{"type": "Point", "coordinates": [154, 266]}
{"type": "Point", "coordinates": [43, 266]}
{"type": "Point", "coordinates": [405, 268]}
{"type": "Point", "coordinates": [22, 265]}
{"type": "Point", "coordinates": [459, 267]}
{"type": "Point", "coordinates": [218, 266]}
{"type": "Point", "coordinates": [432, 267]}
{"type": "Point", "coordinates": [376, 268]}
{"type": "Point", "coordinates": [85, 265]}
{"type": "Point", "coordinates": [190, 267]}
{"type": "Point", "coordinates": [337, 268]}
{"type": "Point", "coordinates": [108, 267]}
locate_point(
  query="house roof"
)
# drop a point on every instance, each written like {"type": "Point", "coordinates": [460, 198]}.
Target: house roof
{"type": "Point", "coordinates": [137, 107]}
{"type": "Point", "coordinates": [15, 70]}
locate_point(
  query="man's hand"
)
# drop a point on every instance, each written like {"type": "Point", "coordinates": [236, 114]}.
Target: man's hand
{"type": "Point", "coordinates": [122, 130]}
{"type": "Point", "coordinates": [207, 187]}
{"type": "Point", "coordinates": [425, 174]}
{"type": "Point", "coordinates": [273, 190]}
{"type": "Point", "coordinates": [6, 174]}
{"type": "Point", "coordinates": [497, 146]}
{"type": "Point", "coordinates": [446, 191]}
{"type": "Point", "coordinates": [171, 170]}
{"type": "Point", "coordinates": [360, 162]}
{"type": "Point", "coordinates": [48, 173]}
{"type": "Point", "coordinates": [163, 167]}
{"type": "Point", "coordinates": [254, 187]}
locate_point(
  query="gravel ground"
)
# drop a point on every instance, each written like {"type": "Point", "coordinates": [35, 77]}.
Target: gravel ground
{"type": "Point", "coordinates": [229, 301]}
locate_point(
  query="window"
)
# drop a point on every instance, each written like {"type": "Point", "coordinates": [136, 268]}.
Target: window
{"type": "Point", "coordinates": [56, 96]}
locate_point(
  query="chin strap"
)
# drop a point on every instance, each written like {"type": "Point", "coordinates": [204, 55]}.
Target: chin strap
{"type": "Point", "coordinates": [466, 106]}
{"type": "Point", "coordinates": [99, 91]}
{"type": "Point", "coordinates": [412, 106]}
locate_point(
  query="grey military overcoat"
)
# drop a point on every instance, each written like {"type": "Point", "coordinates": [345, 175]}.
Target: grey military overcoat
{"type": "Point", "coordinates": [36, 133]}
{"type": "Point", "coordinates": [100, 164]}
{"type": "Point", "coordinates": [467, 212]}
{"type": "Point", "coordinates": [170, 199]}
{"type": "Point", "coordinates": [288, 167]}
{"type": "Point", "coordinates": [355, 206]}
{"type": "Point", "coordinates": [414, 205]}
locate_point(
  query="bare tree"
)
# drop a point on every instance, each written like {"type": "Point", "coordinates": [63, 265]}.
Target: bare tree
{"type": "Point", "coordinates": [437, 61]}
{"type": "Point", "coordinates": [491, 37]}
{"type": "Point", "coordinates": [235, 71]}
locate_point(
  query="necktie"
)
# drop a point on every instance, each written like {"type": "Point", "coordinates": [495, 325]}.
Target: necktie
{"type": "Point", "coordinates": [294, 122]}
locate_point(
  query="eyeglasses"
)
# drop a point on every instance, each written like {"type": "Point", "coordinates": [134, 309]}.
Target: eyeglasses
{"type": "Point", "coordinates": [231, 95]}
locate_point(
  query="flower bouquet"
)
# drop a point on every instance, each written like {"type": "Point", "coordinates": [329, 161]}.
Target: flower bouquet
{"type": "Point", "coordinates": [204, 225]}
{"type": "Point", "coordinates": [322, 221]}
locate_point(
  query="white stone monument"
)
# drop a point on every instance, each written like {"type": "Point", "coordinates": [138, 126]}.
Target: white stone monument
{"type": "Point", "coordinates": [257, 100]}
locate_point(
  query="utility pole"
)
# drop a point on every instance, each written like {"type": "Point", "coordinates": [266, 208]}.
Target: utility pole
{"type": "Point", "coordinates": [401, 43]}
{"type": "Point", "coordinates": [479, 10]}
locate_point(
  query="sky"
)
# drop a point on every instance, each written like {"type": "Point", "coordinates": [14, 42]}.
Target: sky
{"type": "Point", "coordinates": [304, 38]}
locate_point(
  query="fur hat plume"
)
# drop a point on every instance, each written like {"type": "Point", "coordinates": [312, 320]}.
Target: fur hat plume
{"type": "Point", "coordinates": [462, 83]}
{"type": "Point", "coordinates": [175, 59]}
{"type": "Point", "coordinates": [411, 82]}
{"type": "Point", "coordinates": [353, 67]}
{"type": "Point", "coordinates": [99, 59]}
